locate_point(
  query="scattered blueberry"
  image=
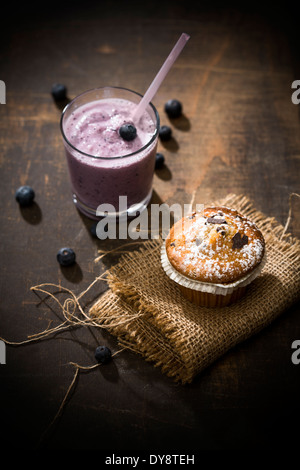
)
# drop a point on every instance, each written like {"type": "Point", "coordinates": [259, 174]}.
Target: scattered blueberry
{"type": "Point", "coordinates": [160, 160]}
{"type": "Point", "coordinates": [25, 195]}
{"type": "Point", "coordinates": [93, 229]}
{"type": "Point", "coordinates": [173, 108]}
{"type": "Point", "coordinates": [66, 256]}
{"type": "Point", "coordinates": [59, 92]}
{"type": "Point", "coordinates": [165, 133]}
{"type": "Point", "coordinates": [127, 132]}
{"type": "Point", "coordinates": [103, 354]}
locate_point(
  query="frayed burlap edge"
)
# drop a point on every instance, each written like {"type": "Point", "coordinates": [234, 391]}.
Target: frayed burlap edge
{"type": "Point", "coordinates": [140, 326]}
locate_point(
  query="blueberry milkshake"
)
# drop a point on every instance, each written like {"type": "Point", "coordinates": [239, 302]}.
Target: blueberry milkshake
{"type": "Point", "coordinates": [108, 154]}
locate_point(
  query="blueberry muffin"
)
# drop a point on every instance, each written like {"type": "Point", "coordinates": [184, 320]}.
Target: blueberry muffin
{"type": "Point", "coordinates": [213, 255]}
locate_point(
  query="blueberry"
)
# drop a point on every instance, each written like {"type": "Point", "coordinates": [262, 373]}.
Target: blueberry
{"type": "Point", "coordinates": [173, 108]}
{"type": "Point", "coordinates": [93, 229]}
{"type": "Point", "coordinates": [59, 92]}
{"type": "Point", "coordinates": [127, 132]}
{"type": "Point", "coordinates": [25, 195]}
{"type": "Point", "coordinates": [160, 160]}
{"type": "Point", "coordinates": [165, 133]}
{"type": "Point", "coordinates": [102, 354]}
{"type": "Point", "coordinates": [66, 256]}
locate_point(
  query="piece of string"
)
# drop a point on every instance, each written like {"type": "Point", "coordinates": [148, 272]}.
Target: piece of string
{"type": "Point", "coordinates": [68, 392]}
{"type": "Point", "coordinates": [68, 308]}
{"type": "Point", "coordinates": [119, 249]}
{"type": "Point", "coordinates": [289, 214]}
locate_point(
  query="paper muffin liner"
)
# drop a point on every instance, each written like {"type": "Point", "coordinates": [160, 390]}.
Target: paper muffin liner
{"type": "Point", "coordinates": [206, 287]}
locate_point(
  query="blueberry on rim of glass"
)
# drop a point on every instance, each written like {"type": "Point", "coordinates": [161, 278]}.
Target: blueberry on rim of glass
{"type": "Point", "coordinates": [127, 132]}
{"type": "Point", "coordinates": [66, 256]}
{"type": "Point", "coordinates": [25, 195]}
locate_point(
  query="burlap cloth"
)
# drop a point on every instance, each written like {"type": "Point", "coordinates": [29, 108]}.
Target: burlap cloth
{"type": "Point", "coordinates": [145, 310]}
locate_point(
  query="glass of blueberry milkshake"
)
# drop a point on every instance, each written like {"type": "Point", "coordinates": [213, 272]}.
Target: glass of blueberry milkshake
{"type": "Point", "coordinates": [108, 154]}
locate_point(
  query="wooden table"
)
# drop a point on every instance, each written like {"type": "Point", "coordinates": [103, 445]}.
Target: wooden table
{"type": "Point", "coordinates": [240, 134]}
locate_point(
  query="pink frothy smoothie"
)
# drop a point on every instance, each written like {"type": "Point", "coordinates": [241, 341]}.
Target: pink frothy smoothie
{"type": "Point", "coordinates": [102, 165]}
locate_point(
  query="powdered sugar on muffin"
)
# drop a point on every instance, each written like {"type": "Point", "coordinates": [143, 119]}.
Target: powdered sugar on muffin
{"type": "Point", "coordinates": [217, 245]}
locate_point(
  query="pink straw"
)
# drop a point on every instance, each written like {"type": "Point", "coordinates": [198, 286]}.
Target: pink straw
{"type": "Point", "coordinates": [148, 96]}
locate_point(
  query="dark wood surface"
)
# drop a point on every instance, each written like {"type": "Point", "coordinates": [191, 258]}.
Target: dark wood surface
{"type": "Point", "coordinates": [240, 134]}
